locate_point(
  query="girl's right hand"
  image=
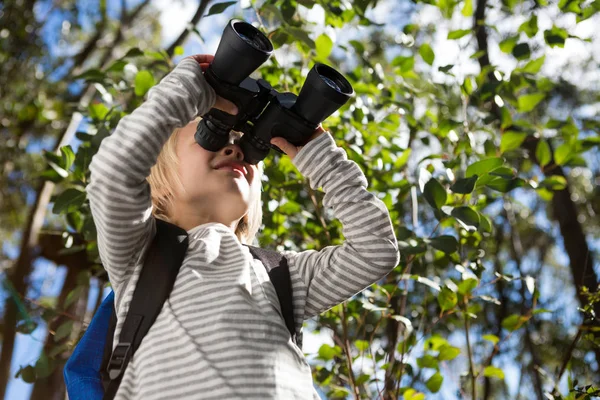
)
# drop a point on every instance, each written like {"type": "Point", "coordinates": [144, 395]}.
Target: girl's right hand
{"type": "Point", "coordinates": [221, 104]}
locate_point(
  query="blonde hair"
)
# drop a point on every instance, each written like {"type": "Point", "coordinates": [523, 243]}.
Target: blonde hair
{"type": "Point", "coordinates": [163, 177]}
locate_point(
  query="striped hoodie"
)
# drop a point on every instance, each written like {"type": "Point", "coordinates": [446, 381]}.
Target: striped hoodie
{"type": "Point", "coordinates": [221, 334]}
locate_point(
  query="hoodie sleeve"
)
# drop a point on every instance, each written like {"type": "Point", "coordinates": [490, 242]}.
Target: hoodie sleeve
{"type": "Point", "coordinates": [333, 274]}
{"type": "Point", "coordinates": [118, 192]}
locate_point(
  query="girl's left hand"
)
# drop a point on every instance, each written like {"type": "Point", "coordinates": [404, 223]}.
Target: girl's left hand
{"type": "Point", "coordinates": [289, 148]}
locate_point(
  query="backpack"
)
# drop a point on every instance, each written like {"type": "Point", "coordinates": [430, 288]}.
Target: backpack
{"type": "Point", "coordinates": [94, 371]}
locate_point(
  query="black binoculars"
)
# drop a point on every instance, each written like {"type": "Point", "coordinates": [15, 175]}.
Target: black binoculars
{"type": "Point", "coordinates": [263, 112]}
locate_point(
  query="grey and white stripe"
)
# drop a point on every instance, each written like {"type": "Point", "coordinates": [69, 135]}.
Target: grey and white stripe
{"type": "Point", "coordinates": [221, 335]}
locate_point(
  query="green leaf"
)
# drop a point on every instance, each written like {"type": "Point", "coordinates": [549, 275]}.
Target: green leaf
{"type": "Point", "coordinates": [70, 201]}
{"type": "Point", "coordinates": [178, 51]}
{"type": "Point", "coordinates": [467, 217]}
{"type": "Point", "coordinates": [513, 322]}
{"type": "Point", "coordinates": [493, 372]}
{"type": "Point", "coordinates": [448, 352]}
{"type": "Point", "coordinates": [63, 331]}
{"type": "Point", "coordinates": [435, 343]}
{"type": "Point", "coordinates": [327, 352]}
{"type": "Point", "coordinates": [68, 157]}
{"type": "Point", "coordinates": [556, 36]}
{"type": "Point", "coordinates": [143, 82]}
{"type": "Point", "coordinates": [27, 374]}
{"type": "Point", "coordinates": [447, 299]}
{"type": "Point", "coordinates": [323, 45]}
{"type": "Point", "coordinates": [435, 382]}
{"type": "Point", "coordinates": [98, 111]}
{"type": "Point", "coordinates": [482, 167]}
{"type": "Point", "coordinates": [43, 367]}
{"type": "Point", "coordinates": [412, 394]}
{"type": "Point", "coordinates": [403, 159]}
{"type": "Point", "coordinates": [529, 101]}
{"type": "Point", "coordinates": [554, 182]}
{"type": "Point", "coordinates": [427, 53]}
{"type": "Point", "coordinates": [530, 27]}
{"type": "Point", "coordinates": [435, 193]}
{"type": "Point", "coordinates": [521, 51]}
{"type": "Point", "coordinates": [446, 243]}
{"type": "Point", "coordinates": [464, 186]}
{"type": "Point", "coordinates": [534, 66]}
{"type": "Point", "coordinates": [508, 44]}
{"type": "Point", "coordinates": [467, 10]}
{"type": "Point", "coordinates": [362, 345]}
{"type": "Point", "coordinates": [563, 153]}
{"type": "Point", "coordinates": [505, 184]}
{"type": "Point", "coordinates": [73, 296]}
{"type": "Point", "coordinates": [91, 75]}
{"type": "Point", "coordinates": [117, 66]}
{"type": "Point", "coordinates": [220, 7]}
{"type": "Point", "coordinates": [301, 35]}
{"type": "Point", "coordinates": [511, 140]}
{"type": "Point", "coordinates": [491, 338]}
{"type": "Point", "coordinates": [427, 361]}
{"type": "Point", "coordinates": [467, 286]}
{"type": "Point", "coordinates": [26, 327]}
{"type": "Point", "coordinates": [134, 52]}
{"type": "Point", "coordinates": [485, 223]}
{"type": "Point", "coordinates": [543, 152]}
{"type": "Point", "coordinates": [457, 34]}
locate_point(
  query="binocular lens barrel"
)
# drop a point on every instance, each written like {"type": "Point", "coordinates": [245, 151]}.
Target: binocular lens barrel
{"type": "Point", "coordinates": [242, 49]}
{"type": "Point", "coordinates": [324, 91]}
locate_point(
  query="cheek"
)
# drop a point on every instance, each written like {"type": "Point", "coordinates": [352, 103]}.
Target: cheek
{"type": "Point", "coordinates": [193, 166]}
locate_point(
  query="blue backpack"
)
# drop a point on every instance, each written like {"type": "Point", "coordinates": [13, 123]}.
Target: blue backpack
{"type": "Point", "coordinates": [94, 370]}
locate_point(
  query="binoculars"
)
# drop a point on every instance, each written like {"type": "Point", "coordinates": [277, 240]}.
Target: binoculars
{"type": "Point", "coordinates": [263, 112]}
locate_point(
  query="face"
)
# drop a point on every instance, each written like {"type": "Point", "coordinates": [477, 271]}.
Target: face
{"type": "Point", "coordinates": [222, 194]}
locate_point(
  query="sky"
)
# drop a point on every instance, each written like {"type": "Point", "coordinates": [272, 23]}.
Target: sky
{"type": "Point", "coordinates": [394, 14]}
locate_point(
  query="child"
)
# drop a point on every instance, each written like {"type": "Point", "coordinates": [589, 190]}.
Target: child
{"type": "Point", "coordinates": [220, 335]}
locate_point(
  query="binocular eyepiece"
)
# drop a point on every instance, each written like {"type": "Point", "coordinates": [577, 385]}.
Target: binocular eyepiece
{"type": "Point", "coordinates": [263, 112]}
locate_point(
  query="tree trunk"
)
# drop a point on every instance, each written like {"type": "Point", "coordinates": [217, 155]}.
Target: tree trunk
{"type": "Point", "coordinates": [17, 277]}
{"type": "Point", "coordinates": [53, 387]}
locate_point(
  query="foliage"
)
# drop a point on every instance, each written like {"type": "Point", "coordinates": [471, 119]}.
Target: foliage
{"type": "Point", "coordinates": [467, 164]}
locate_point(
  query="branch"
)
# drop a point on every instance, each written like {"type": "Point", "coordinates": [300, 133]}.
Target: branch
{"type": "Point", "coordinates": [186, 32]}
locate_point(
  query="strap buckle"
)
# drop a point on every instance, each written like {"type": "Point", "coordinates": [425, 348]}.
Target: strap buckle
{"type": "Point", "coordinates": [117, 360]}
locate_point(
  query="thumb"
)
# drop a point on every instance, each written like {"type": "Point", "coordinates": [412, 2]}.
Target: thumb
{"type": "Point", "coordinates": [226, 106]}
{"type": "Point", "coordinates": [283, 144]}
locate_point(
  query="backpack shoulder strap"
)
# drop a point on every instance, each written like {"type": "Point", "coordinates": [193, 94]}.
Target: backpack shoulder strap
{"type": "Point", "coordinates": [279, 274]}
{"type": "Point", "coordinates": [154, 285]}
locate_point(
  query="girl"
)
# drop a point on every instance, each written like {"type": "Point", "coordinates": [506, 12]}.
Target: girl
{"type": "Point", "coordinates": [220, 335]}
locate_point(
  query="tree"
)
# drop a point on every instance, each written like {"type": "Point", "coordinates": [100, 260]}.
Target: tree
{"type": "Point", "coordinates": [485, 164]}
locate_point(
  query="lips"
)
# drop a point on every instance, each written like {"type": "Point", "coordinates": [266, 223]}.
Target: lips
{"type": "Point", "coordinates": [233, 166]}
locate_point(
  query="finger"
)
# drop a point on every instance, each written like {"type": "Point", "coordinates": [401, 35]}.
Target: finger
{"type": "Point", "coordinates": [204, 66]}
{"type": "Point", "coordinates": [203, 58]}
{"type": "Point", "coordinates": [284, 145]}
{"type": "Point", "coordinates": [226, 106]}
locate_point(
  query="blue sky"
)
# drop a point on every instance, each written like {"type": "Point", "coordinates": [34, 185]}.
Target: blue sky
{"type": "Point", "coordinates": [48, 278]}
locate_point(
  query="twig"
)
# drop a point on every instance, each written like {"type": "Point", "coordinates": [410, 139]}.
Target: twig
{"type": "Point", "coordinates": [346, 347]}
{"type": "Point", "coordinates": [186, 32]}
{"type": "Point", "coordinates": [319, 211]}
{"type": "Point", "coordinates": [470, 354]}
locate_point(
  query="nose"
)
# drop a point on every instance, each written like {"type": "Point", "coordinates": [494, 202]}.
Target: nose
{"type": "Point", "coordinates": [234, 149]}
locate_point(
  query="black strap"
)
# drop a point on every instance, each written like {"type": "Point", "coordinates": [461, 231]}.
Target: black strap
{"type": "Point", "coordinates": [154, 285]}
{"type": "Point", "coordinates": [279, 274]}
